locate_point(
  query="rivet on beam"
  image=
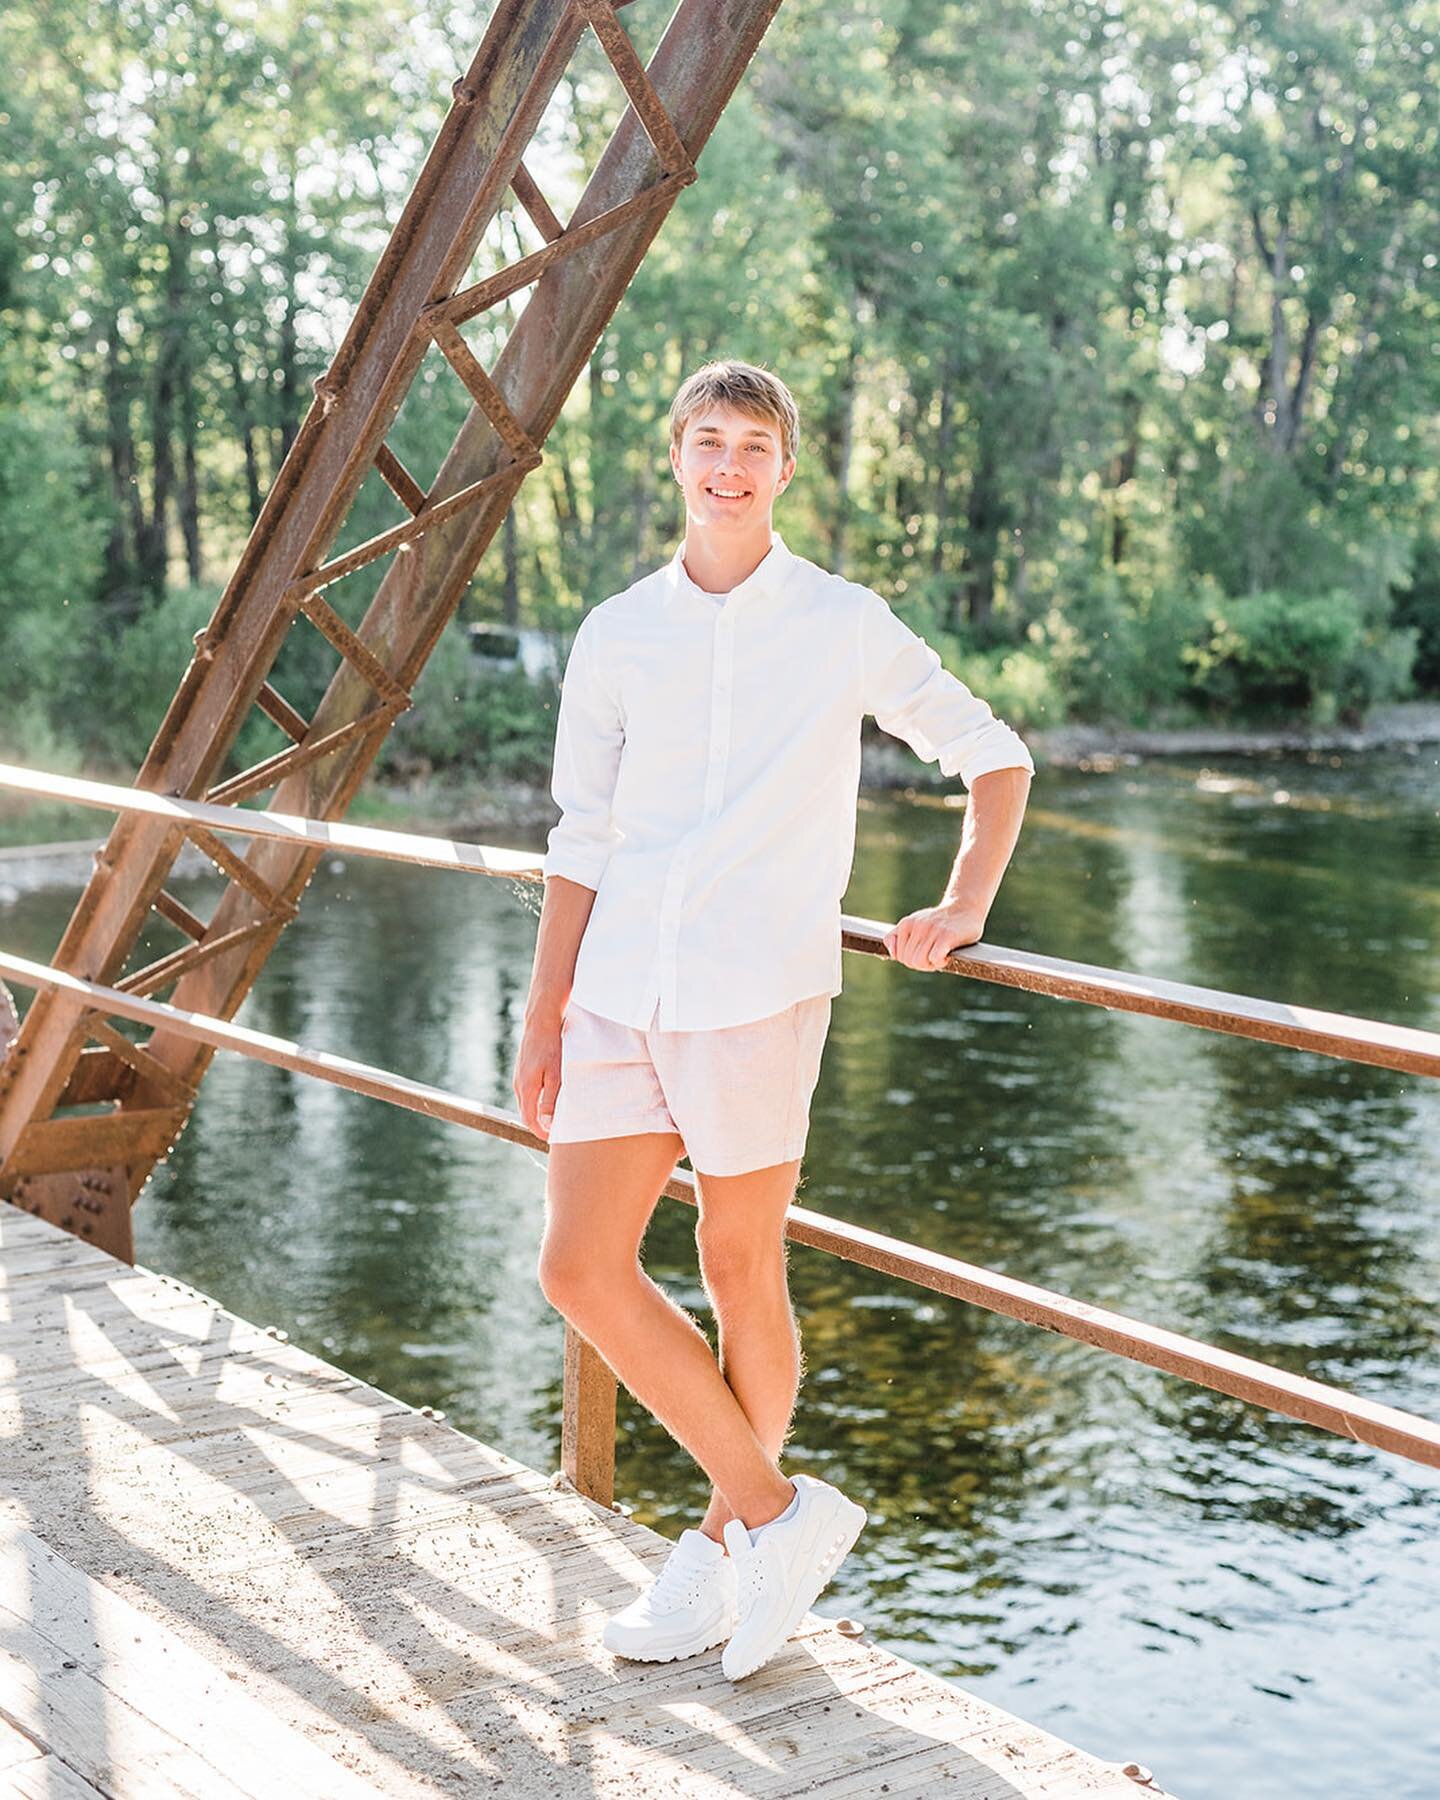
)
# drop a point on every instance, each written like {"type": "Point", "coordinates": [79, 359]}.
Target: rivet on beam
{"type": "Point", "coordinates": [464, 96]}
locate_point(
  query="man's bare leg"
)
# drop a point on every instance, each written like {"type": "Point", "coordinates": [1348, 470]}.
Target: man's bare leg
{"type": "Point", "coordinates": [599, 1198]}
{"type": "Point", "coordinates": [740, 1238]}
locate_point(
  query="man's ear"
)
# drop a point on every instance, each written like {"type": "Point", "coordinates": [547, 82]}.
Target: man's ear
{"type": "Point", "coordinates": [787, 473]}
{"type": "Point", "coordinates": [675, 464]}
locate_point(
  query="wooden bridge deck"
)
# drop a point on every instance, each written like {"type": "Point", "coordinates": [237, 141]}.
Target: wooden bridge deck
{"type": "Point", "coordinates": [228, 1568]}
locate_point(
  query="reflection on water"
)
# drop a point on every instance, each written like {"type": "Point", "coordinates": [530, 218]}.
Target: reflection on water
{"type": "Point", "coordinates": [1155, 1571]}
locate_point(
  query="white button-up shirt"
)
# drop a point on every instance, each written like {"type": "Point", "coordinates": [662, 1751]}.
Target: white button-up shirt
{"type": "Point", "coordinates": [707, 768]}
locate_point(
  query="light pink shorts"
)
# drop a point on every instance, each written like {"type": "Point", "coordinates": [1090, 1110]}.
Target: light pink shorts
{"type": "Point", "coordinates": [738, 1095]}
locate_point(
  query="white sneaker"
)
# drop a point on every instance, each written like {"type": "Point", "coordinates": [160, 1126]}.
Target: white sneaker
{"type": "Point", "coordinates": [689, 1607]}
{"type": "Point", "coordinates": [782, 1573]}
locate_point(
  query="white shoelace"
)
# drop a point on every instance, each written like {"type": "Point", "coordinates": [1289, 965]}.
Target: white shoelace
{"type": "Point", "coordinates": [750, 1579]}
{"type": "Point", "coordinates": [677, 1584]}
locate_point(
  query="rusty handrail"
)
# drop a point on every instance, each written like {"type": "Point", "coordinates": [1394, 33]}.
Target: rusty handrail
{"type": "Point", "coordinates": [1297, 1397]}
{"type": "Point", "coordinates": [1343, 1035]}
{"type": "Point", "coordinates": [276, 827]}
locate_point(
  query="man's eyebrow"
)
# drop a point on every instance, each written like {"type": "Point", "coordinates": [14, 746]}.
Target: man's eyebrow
{"type": "Point", "coordinates": [755, 429]}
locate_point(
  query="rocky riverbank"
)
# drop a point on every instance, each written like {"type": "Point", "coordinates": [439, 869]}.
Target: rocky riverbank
{"type": "Point", "coordinates": [518, 814]}
{"type": "Point", "coordinates": [1388, 727]}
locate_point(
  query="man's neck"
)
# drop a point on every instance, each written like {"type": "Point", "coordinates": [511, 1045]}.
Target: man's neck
{"type": "Point", "coordinates": [718, 566]}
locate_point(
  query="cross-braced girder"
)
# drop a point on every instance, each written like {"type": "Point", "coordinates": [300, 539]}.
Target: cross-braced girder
{"type": "Point", "coordinates": [83, 1171]}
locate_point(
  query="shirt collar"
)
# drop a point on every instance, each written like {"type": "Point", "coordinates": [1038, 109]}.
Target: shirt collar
{"type": "Point", "coordinates": [766, 581]}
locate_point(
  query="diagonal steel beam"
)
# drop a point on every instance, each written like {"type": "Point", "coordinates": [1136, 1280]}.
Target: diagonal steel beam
{"type": "Point", "coordinates": [705, 51]}
{"type": "Point", "coordinates": [499, 101]}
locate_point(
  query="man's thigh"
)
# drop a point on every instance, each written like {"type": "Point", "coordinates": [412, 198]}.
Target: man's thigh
{"type": "Point", "coordinates": [600, 1192]}
{"type": "Point", "coordinates": [744, 1212]}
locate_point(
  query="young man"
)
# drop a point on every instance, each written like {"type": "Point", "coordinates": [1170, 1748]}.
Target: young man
{"type": "Point", "coordinates": [707, 762]}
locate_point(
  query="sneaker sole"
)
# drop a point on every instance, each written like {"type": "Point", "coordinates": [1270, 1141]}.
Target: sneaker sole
{"type": "Point", "coordinates": [721, 1634]}
{"type": "Point", "coordinates": [848, 1523]}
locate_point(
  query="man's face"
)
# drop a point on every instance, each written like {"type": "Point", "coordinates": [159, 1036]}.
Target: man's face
{"type": "Point", "coordinates": [731, 467]}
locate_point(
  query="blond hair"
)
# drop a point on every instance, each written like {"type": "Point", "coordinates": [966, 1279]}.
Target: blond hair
{"type": "Point", "coordinates": [745, 388]}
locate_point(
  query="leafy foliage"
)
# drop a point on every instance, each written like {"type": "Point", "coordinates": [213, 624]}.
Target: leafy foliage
{"type": "Point", "coordinates": [1111, 322]}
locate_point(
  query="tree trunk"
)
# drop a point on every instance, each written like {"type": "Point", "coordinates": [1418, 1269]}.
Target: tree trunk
{"type": "Point", "coordinates": [1360, 371]}
{"type": "Point", "coordinates": [190, 474]}
{"type": "Point", "coordinates": [510, 588]}
{"type": "Point", "coordinates": [1273, 401]}
{"type": "Point", "coordinates": [1304, 377]}
{"type": "Point", "coordinates": [122, 544]}
{"type": "Point", "coordinates": [290, 401]}
{"type": "Point", "coordinates": [983, 522]}
{"type": "Point", "coordinates": [838, 444]}
{"type": "Point", "coordinates": [153, 555]}
{"type": "Point", "coordinates": [1120, 473]}
{"type": "Point", "coordinates": [645, 499]}
{"type": "Point", "coordinates": [245, 418]}
{"type": "Point", "coordinates": [944, 450]}
{"type": "Point", "coordinates": [594, 543]}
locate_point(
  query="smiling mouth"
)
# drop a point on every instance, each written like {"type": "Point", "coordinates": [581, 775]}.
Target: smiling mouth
{"type": "Point", "coordinates": [728, 493]}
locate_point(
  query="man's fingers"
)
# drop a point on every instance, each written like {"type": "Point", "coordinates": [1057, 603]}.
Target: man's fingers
{"type": "Point", "coordinates": [545, 1108]}
{"type": "Point", "coordinates": [918, 948]}
{"type": "Point", "coordinates": [527, 1093]}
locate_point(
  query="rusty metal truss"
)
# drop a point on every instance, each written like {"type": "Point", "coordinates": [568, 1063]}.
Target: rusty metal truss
{"type": "Point", "coordinates": [83, 1169]}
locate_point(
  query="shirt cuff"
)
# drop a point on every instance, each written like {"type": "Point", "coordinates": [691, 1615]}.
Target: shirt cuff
{"type": "Point", "coordinates": [1004, 748]}
{"type": "Point", "coordinates": [586, 870]}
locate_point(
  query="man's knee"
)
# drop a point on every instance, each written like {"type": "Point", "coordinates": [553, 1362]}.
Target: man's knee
{"type": "Point", "coordinates": [739, 1264]}
{"type": "Point", "coordinates": [574, 1279]}
{"type": "Point", "coordinates": [562, 1273]}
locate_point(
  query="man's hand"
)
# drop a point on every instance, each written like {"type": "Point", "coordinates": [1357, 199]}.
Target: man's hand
{"type": "Point", "coordinates": [922, 940]}
{"type": "Point", "coordinates": [536, 1082]}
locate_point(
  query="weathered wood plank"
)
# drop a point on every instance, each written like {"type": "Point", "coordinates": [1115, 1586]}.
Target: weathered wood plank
{"type": "Point", "coordinates": [130, 1706]}
{"type": "Point", "coordinates": [419, 1606]}
{"type": "Point", "coordinates": [49, 1779]}
{"type": "Point", "coordinates": [35, 1263]}
{"type": "Point", "coordinates": [16, 1748]}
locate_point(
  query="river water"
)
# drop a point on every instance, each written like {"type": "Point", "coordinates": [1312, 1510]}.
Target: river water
{"type": "Point", "coordinates": [1154, 1571]}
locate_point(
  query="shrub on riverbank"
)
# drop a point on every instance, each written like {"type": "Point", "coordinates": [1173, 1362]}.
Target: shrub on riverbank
{"type": "Point", "coordinates": [1280, 653]}
{"type": "Point", "coordinates": [1111, 657]}
{"type": "Point", "coordinates": [468, 715]}
{"type": "Point", "coordinates": [1162, 656]}
{"type": "Point", "coordinates": [1114, 645]}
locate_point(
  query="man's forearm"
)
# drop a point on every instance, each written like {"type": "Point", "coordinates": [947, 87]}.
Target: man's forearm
{"type": "Point", "coordinates": [993, 816]}
{"type": "Point", "coordinates": [563, 918]}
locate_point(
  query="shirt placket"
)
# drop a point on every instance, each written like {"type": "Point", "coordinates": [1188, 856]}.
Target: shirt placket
{"type": "Point", "coordinates": [672, 907]}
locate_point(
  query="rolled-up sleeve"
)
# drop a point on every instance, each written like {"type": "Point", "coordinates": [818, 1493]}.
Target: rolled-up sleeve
{"type": "Point", "coordinates": [915, 697]}
{"type": "Point", "coordinates": [589, 734]}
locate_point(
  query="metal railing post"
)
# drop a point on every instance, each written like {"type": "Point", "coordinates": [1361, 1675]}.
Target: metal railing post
{"type": "Point", "coordinates": [587, 1428]}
